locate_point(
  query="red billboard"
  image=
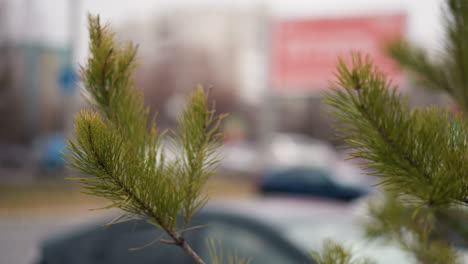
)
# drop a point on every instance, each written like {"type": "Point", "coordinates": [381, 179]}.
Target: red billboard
{"type": "Point", "coordinates": [305, 52]}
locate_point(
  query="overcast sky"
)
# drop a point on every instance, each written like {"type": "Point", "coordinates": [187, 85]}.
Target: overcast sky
{"type": "Point", "coordinates": [50, 17]}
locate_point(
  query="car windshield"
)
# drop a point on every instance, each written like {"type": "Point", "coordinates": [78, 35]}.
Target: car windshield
{"type": "Point", "coordinates": [309, 235]}
{"type": "Point", "coordinates": [313, 176]}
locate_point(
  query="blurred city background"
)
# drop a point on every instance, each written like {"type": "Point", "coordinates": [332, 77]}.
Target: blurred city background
{"type": "Point", "coordinates": [266, 63]}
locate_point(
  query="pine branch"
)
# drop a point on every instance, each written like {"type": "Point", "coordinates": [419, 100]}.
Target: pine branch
{"type": "Point", "coordinates": [450, 72]}
{"type": "Point", "coordinates": [217, 257]}
{"type": "Point", "coordinates": [416, 60]}
{"type": "Point", "coordinates": [333, 253]}
{"type": "Point", "coordinates": [400, 150]}
{"type": "Point", "coordinates": [198, 138]}
{"type": "Point", "coordinates": [120, 148]}
{"type": "Point", "coordinates": [456, 46]}
{"type": "Point", "coordinates": [414, 229]}
{"type": "Point", "coordinates": [421, 153]}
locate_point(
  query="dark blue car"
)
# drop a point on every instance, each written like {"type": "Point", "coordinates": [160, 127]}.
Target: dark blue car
{"type": "Point", "coordinates": [270, 230]}
{"type": "Point", "coordinates": [314, 182]}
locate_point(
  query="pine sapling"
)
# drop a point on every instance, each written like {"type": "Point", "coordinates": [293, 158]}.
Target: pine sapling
{"type": "Point", "coordinates": [119, 148]}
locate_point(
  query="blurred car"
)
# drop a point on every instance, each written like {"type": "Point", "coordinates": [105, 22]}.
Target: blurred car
{"type": "Point", "coordinates": [287, 150]}
{"type": "Point", "coordinates": [307, 181]}
{"type": "Point", "coordinates": [276, 150]}
{"type": "Point", "coordinates": [240, 158]}
{"type": "Point", "coordinates": [299, 165]}
{"type": "Point", "coordinates": [269, 231]}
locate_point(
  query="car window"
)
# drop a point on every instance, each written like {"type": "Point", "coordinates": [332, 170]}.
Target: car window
{"type": "Point", "coordinates": [314, 176]}
{"type": "Point", "coordinates": [245, 243]}
{"type": "Point", "coordinates": [118, 250]}
{"type": "Point", "coordinates": [303, 176]}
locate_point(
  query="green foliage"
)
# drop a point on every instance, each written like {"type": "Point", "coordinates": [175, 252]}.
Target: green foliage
{"type": "Point", "coordinates": [121, 150]}
{"type": "Point", "coordinates": [333, 253]}
{"type": "Point", "coordinates": [217, 256]}
{"type": "Point", "coordinates": [450, 72]}
{"type": "Point", "coordinates": [419, 153]}
{"type": "Point", "coordinates": [415, 230]}
{"type": "Point", "coordinates": [198, 139]}
{"type": "Point", "coordinates": [424, 231]}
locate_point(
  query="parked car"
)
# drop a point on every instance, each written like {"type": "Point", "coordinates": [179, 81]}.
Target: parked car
{"type": "Point", "coordinates": [278, 150]}
{"type": "Point", "coordinates": [287, 150]}
{"type": "Point", "coordinates": [307, 181]}
{"type": "Point", "coordinates": [241, 158]}
{"type": "Point", "coordinates": [267, 230]}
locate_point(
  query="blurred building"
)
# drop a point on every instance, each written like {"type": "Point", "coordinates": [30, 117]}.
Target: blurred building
{"type": "Point", "coordinates": [223, 50]}
{"type": "Point", "coordinates": [265, 68]}
{"type": "Point", "coordinates": [268, 71]}
{"type": "Point", "coordinates": [35, 84]}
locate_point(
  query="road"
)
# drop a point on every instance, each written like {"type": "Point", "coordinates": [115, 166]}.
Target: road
{"type": "Point", "coordinates": [20, 235]}
{"type": "Point", "coordinates": [29, 214]}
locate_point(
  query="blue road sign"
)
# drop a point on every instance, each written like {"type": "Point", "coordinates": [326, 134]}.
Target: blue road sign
{"type": "Point", "coordinates": [67, 80]}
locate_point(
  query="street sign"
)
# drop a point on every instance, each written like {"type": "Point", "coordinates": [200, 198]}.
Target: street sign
{"type": "Point", "coordinates": [67, 80]}
{"type": "Point", "coordinates": [305, 51]}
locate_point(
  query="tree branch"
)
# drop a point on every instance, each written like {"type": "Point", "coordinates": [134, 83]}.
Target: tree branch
{"type": "Point", "coordinates": [412, 163]}
{"type": "Point", "coordinates": [177, 238]}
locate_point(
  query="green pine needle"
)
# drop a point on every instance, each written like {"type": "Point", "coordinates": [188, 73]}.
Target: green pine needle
{"type": "Point", "coordinates": [334, 253]}
{"type": "Point", "coordinates": [449, 72]}
{"type": "Point", "coordinates": [118, 146]}
{"type": "Point", "coordinates": [418, 153]}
